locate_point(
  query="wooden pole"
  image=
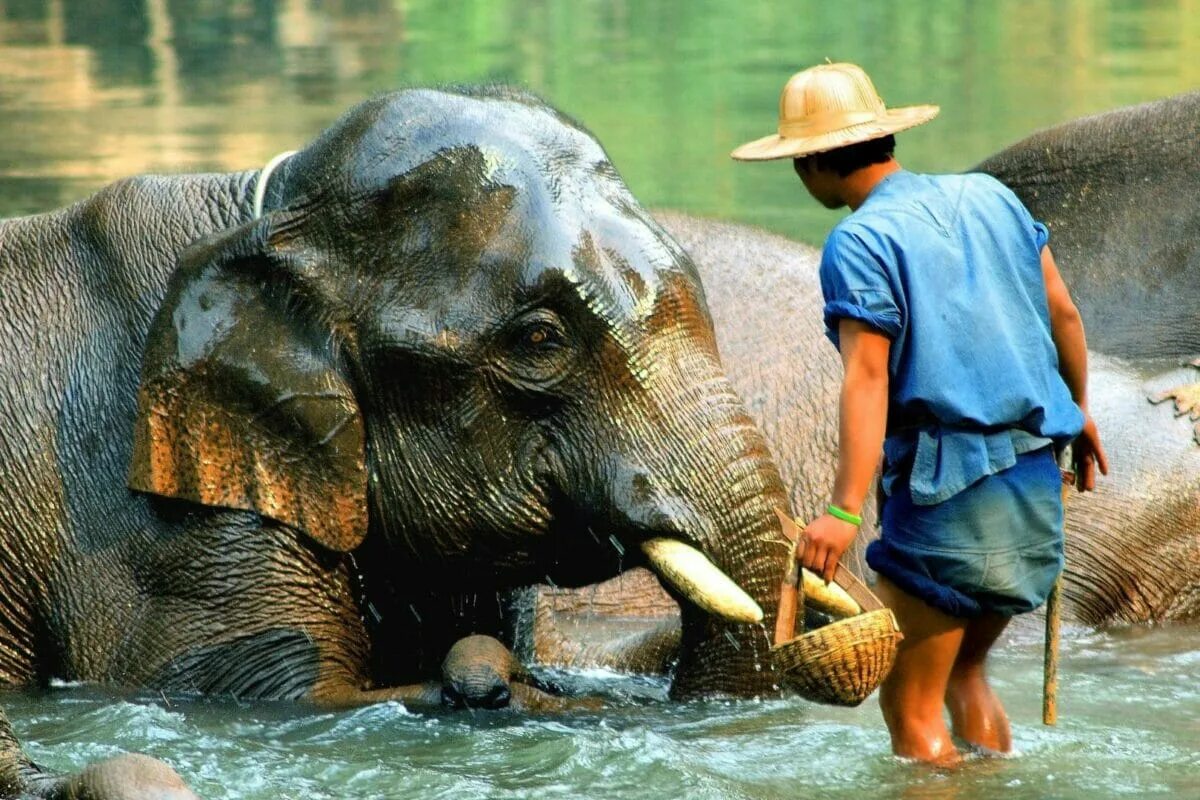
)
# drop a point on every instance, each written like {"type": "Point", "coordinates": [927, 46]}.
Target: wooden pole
{"type": "Point", "coordinates": [1050, 663]}
{"type": "Point", "coordinates": [1054, 612]}
{"type": "Point", "coordinates": [789, 602]}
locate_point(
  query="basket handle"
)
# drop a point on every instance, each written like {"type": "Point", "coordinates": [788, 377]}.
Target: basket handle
{"type": "Point", "coordinates": [791, 600]}
{"type": "Point", "coordinates": [857, 589]}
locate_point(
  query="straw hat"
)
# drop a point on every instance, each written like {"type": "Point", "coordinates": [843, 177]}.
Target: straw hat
{"type": "Point", "coordinates": [830, 106]}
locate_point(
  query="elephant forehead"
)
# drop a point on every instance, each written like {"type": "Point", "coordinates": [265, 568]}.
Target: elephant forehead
{"type": "Point", "coordinates": [604, 245]}
{"type": "Point", "coordinates": [413, 128]}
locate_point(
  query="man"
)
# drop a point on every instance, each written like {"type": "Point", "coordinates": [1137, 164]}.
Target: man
{"type": "Point", "coordinates": [965, 365]}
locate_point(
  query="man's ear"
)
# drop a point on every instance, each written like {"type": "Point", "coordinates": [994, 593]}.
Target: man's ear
{"type": "Point", "coordinates": [242, 403]}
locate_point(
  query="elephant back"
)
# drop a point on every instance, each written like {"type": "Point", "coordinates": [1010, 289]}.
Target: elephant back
{"type": "Point", "coordinates": [1120, 193]}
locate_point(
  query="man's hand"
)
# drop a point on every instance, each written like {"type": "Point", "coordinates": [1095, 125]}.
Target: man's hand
{"type": "Point", "coordinates": [1088, 453]}
{"type": "Point", "coordinates": [825, 539]}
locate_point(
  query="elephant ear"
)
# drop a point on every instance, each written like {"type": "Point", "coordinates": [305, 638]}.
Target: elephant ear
{"type": "Point", "coordinates": [241, 403]}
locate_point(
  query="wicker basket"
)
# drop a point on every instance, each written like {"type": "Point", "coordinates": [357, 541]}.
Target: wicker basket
{"type": "Point", "coordinates": [843, 662]}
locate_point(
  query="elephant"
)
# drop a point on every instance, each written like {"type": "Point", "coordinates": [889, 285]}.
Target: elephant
{"type": "Point", "coordinates": [292, 452]}
{"type": "Point", "coordinates": [283, 433]}
{"type": "Point", "coordinates": [1101, 184]}
{"type": "Point", "coordinates": [1115, 190]}
{"type": "Point", "coordinates": [481, 673]}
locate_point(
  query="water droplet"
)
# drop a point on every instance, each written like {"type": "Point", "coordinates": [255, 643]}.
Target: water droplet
{"type": "Point", "coordinates": [620, 548]}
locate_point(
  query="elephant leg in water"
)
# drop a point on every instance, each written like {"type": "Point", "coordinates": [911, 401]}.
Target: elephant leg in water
{"type": "Point", "coordinates": [128, 777]}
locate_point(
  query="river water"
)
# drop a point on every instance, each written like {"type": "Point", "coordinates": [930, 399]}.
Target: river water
{"type": "Point", "coordinates": [1129, 726]}
{"type": "Point", "coordinates": [94, 90]}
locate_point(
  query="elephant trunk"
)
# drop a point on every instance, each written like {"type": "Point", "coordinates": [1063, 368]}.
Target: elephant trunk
{"type": "Point", "coordinates": [701, 479]}
{"type": "Point", "coordinates": [721, 656]}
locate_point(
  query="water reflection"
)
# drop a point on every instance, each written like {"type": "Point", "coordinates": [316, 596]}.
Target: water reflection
{"type": "Point", "coordinates": [93, 90]}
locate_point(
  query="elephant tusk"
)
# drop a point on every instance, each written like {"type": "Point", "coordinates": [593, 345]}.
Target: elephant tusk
{"type": "Point", "coordinates": [699, 580]}
{"type": "Point", "coordinates": [829, 598]}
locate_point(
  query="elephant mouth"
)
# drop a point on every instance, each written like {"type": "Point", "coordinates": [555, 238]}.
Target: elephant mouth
{"type": "Point", "coordinates": [699, 580]}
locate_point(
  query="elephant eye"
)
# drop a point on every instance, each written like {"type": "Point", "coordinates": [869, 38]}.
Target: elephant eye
{"type": "Point", "coordinates": [540, 332]}
{"type": "Point", "coordinates": [541, 335]}
{"type": "Point", "coordinates": [538, 351]}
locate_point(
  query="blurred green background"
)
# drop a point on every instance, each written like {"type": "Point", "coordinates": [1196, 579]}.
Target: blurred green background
{"type": "Point", "coordinates": [92, 90]}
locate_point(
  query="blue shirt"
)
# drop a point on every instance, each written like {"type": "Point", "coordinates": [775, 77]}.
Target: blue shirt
{"type": "Point", "coordinates": [949, 268]}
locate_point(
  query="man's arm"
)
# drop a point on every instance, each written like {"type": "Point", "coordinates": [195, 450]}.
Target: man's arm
{"type": "Point", "coordinates": [1066, 328]}
{"type": "Point", "coordinates": [862, 419]}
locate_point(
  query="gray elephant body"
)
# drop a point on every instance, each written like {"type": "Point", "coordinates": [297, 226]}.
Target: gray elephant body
{"type": "Point", "coordinates": [452, 349]}
{"type": "Point", "coordinates": [1118, 191]}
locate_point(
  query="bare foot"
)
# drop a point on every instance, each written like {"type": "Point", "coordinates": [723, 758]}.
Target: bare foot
{"type": "Point", "coordinates": [976, 714]}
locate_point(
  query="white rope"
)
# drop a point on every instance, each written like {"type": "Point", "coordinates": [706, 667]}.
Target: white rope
{"type": "Point", "coordinates": [260, 188]}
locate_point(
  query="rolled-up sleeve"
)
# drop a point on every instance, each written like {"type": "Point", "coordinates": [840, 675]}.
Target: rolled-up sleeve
{"type": "Point", "coordinates": [1041, 234]}
{"type": "Point", "coordinates": [855, 285]}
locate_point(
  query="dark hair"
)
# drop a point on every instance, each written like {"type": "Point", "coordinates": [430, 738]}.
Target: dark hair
{"type": "Point", "coordinates": [845, 160]}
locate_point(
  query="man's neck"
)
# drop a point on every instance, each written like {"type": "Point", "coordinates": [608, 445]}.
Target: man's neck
{"type": "Point", "coordinates": [858, 184]}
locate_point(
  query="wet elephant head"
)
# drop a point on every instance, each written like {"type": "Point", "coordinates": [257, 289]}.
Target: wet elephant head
{"type": "Point", "coordinates": [455, 332]}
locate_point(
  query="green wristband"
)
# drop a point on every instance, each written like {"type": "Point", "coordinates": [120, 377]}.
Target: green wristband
{"type": "Point", "coordinates": [844, 516]}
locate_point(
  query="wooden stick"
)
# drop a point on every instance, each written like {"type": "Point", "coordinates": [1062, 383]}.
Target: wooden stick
{"type": "Point", "coordinates": [1054, 616]}
{"type": "Point", "coordinates": [791, 601]}
{"type": "Point", "coordinates": [1050, 663]}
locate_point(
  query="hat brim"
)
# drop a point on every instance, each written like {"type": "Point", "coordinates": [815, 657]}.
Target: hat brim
{"type": "Point", "coordinates": [893, 120]}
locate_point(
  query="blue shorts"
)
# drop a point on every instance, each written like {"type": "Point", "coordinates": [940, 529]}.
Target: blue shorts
{"type": "Point", "coordinates": [996, 546]}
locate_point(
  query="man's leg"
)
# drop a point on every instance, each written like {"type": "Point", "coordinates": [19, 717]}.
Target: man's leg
{"type": "Point", "coordinates": [975, 711]}
{"type": "Point", "coordinates": [913, 694]}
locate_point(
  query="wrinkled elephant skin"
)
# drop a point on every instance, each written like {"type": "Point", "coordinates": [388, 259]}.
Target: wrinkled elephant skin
{"type": "Point", "coordinates": [1119, 194]}
{"type": "Point", "coordinates": [296, 456]}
